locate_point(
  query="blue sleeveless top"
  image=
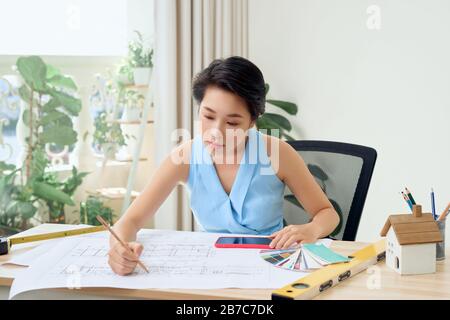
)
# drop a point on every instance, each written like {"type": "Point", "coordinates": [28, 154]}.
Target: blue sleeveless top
{"type": "Point", "coordinates": [255, 203]}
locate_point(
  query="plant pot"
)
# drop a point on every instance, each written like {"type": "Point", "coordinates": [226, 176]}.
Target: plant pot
{"type": "Point", "coordinates": [109, 150]}
{"type": "Point", "coordinates": [131, 114]}
{"type": "Point", "coordinates": [123, 78]}
{"type": "Point", "coordinates": [131, 133]}
{"type": "Point", "coordinates": [142, 76]}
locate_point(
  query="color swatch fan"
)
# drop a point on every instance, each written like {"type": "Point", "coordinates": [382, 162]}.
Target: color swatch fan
{"type": "Point", "coordinates": [286, 259]}
{"type": "Point", "coordinates": [306, 258]}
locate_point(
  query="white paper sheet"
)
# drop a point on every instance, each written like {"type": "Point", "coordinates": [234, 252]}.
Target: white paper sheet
{"type": "Point", "coordinates": [175, 259]}
{"type": "Point", "coordinates": [28, 257]}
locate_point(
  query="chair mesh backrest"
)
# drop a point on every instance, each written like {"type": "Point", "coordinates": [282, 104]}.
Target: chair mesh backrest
{"type": "Point", "coordinates": [338, 175]}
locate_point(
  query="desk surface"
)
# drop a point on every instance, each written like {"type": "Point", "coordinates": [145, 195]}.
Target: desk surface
{"type": "Point", "coordinates": [378, 282]}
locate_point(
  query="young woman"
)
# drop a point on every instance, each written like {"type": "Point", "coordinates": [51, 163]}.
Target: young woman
{"type": "Point", "coordinates": [236, 175]}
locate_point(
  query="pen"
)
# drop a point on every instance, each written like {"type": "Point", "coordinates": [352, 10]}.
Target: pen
{"type": "Point", "coordinates": [105, 224]}
{"type": "Point", "coordinates": [433, 206]}
{"type": "Point", "coordinates": [410, 196]}
{"type": "Point", "coordinates": [407, 200]}
{"type": "Point", "coordinates": [444, 213]}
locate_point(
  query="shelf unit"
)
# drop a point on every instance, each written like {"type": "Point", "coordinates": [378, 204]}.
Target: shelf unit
{"type": "Point", "coordinates": [127, 194]}
{"type": "Point", "coordinates": [101, 157]}
{"type": "Point", "coordinates": [136, 86]}
{"type": "Point", "coordinates": [148, 104]}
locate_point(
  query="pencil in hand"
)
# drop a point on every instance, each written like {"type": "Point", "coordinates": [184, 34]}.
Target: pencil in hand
{"type": "Point", "coordinates": [105, 224]}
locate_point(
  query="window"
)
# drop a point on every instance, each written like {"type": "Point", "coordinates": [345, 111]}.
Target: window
{"type": "Point", "coordinates": [9, 116]}
{"type": "Point", "coordinates": [79, 37]}
{"type": "Point", "coordinates": [64, 27]}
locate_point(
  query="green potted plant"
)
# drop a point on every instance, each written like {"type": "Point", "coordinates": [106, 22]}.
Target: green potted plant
{"type": "Point", "coordinates": [50, 103]}
{"type": "Point", "coordinates": [140, 59]}
{"type": "Point", "coordinates": [119, 95]}
{"type": "Point", "coordinates": [274, 123]}
{"type": "Point", "coordinates": [133, 104]}
{"type": "Point", "coordinates": [108, 136]}
{"type": "Point", "coordinates": [20, 200]}
{"type": "Point", "coordinates": [67, 186]}
{"type": "Point", "coordinates": [124, 73]}
{"type": "Point", "coordinates": [93, 207]}
{"type": "Point", "coordinates": [15, 207]}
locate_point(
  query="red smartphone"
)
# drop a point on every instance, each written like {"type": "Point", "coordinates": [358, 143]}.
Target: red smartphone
{"type": "Point", "coordinates": [243, 242]}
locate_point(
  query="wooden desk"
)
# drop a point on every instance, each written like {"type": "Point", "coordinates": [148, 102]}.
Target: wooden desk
{"type": "Point", "coordinates": [378, 282]}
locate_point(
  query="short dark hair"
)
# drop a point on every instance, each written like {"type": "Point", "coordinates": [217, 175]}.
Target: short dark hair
{"type": "Point", "coordinates": [236, 75]}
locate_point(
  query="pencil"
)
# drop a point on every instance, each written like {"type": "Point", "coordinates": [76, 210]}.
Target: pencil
{"type": "Point", "coordinates": [433, 206]}
{"type": "Point", "coordinates": [410, 196]}
{"type": "Point", "coordinates": [407, 200]}
{"type": "Point", "coordinates": [444, 213]}
{"type": "Point", "coordinates": [105, 224]}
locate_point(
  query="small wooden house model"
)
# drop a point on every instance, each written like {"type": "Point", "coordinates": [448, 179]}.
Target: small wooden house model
{"type": "Point", "coordinates": [411, 242]}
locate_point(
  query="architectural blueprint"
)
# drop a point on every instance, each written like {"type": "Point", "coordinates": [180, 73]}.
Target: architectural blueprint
{"type": "Point", "coordinates": [175, 259]}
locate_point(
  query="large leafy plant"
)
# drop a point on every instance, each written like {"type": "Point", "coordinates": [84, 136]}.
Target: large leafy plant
{"type": "Point", "coordinates": [15, 209]}
{"type": "Point", "coordinates": [51, 102]}
{"type": "Point", "coordinates": [273, 122]}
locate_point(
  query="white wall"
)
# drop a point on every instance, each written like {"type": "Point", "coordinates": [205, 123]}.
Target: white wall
{"type": "Point", "coordinates": [80, 28]}
{"type": "Point", "coordinates": [64, 27]}
{"type": "Point", "coordinates": [140, 17]}
{"type": "Point", "coordinates": [387, 88]}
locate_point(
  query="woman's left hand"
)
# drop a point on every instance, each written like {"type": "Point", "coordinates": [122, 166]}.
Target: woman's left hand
{"type": "Point", "coordinates": [302, 233]}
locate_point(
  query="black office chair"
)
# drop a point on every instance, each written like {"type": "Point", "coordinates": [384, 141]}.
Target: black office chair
{"type": "Point", "coordinates": [344, 172]}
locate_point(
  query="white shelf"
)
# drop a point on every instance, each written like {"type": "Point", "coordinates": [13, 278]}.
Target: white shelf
{"type": "Point", "coordinates": [119, 160]}
{"type": "Point", "coordinates": [129, 122]}
{"type": "Point", "coordinates": [136, 86]}
{"type": "Point", "coordinates": [112, 193]}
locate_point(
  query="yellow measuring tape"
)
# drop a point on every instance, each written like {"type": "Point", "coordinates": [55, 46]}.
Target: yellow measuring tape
{"type": "Point", "coordinates": [7, 243]}
{"type": "Point", "coordinates": [330, 276]}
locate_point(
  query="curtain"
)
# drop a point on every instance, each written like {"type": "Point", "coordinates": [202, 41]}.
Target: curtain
{"type": "Point", "coordinates": [189, 34]}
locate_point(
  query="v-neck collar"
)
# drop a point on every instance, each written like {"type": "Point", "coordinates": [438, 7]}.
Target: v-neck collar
{"type": "Point", "coordinates": [242, 179]}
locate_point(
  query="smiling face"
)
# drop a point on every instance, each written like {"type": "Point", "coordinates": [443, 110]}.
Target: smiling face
{"type": "Point", "coordinates": [225, 119]}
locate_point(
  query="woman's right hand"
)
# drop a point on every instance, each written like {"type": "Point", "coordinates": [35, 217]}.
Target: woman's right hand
{"type": "Point", "coordinates": [121, 260]}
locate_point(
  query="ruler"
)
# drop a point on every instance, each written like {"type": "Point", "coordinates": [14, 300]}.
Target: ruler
{"type": "Point", "coordinates": [332, 275]}
{"type": "Point", "coordinates": [6, 243]}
